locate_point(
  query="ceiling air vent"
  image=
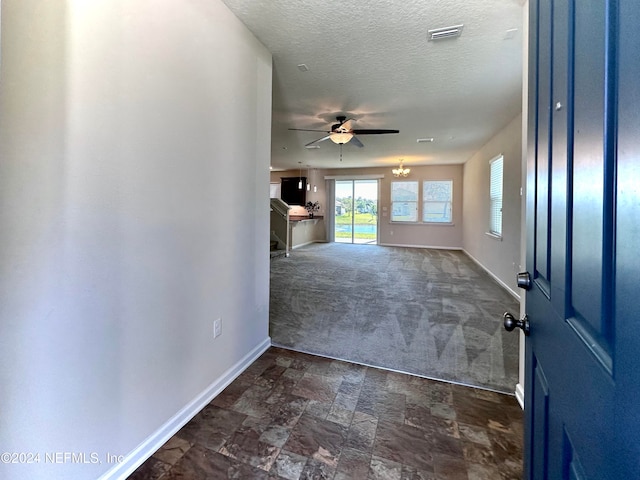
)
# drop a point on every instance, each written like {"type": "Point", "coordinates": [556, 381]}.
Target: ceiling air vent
{"type": "Point", "coordinates": [445, 32]}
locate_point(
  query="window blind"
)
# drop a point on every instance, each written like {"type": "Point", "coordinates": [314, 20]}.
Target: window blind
{"type": "Point", "coordinates": [437, 197]}
{"type": "Point", "coordinates": [495, 193]}
{"type": "Point", "coordinates": [404, 201]}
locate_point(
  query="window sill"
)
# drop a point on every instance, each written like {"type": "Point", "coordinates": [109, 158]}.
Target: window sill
{"type": "Point", "coordinates": [493, 235]}
{"type": "Point", "coordinates": [429, 224]}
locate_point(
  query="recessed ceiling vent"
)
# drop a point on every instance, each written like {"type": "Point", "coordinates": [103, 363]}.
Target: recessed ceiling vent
{"type": "Point", "coordinates": [445, 32]}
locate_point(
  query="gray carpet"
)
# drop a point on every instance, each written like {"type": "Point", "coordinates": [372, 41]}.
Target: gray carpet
{"type": "Point", "coordinates": [433, 313]}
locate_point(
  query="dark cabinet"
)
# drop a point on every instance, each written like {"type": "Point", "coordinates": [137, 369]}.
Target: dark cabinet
{"type": "Point", "coordinates": [290, 191]}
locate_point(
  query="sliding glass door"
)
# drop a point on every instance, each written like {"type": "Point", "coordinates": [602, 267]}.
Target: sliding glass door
{"type": "Point", "coordinates": [356, 215]}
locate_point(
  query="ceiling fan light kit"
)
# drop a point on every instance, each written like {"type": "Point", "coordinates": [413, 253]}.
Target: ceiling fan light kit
{"type": "Point", "coordinates": [340, 137]}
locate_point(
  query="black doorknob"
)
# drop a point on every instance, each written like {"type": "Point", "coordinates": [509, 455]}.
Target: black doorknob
{"type": "Point", "coordinates": [524, 280]}
{"type": "Point", "coordinates": [510, 323]}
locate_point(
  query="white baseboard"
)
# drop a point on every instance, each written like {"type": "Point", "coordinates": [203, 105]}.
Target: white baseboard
{"type": "Point", "coordinates": [147, 448]}
{"type": "Point", "coordinates": [504, 285]}
{"type": "Point", "coordinates": [303, 244]}
{"type": "Point", "coordinates": [520, 395]}
{"type": "Point", "coordinates": [308, 243]}
{"type": "Point", "coordinates": [435, 247]}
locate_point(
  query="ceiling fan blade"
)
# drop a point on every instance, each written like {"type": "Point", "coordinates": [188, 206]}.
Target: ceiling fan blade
{"type": "Point", "coordinates": [374, 131]}
{"type": "Point", "coordinates": [318, 140]}
{"type": "Point", "coordinates": [354, 140]}
{"type": "Point", "coordinates": [308, 130]}
{"type": "Point", "coordinates": [346, 125]}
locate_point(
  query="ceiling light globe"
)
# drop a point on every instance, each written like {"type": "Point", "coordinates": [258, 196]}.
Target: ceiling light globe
{"type": "Point", "coordinates": [341, 137]}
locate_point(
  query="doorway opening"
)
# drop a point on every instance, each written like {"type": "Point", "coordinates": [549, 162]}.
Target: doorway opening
{"type": "Point", "coordinates": [356, 211]}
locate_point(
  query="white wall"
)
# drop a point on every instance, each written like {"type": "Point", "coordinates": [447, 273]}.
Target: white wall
{"type": "Point", "coordinates": [119, 120]}
{"type": "Point", "coordinates": [500, 256]}
{"type": "Point", "coordinates": [423, 234]}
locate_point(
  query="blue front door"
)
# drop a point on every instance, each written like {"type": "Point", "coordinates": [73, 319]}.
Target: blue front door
{"type": "Point", "coordinates": [583, 241]}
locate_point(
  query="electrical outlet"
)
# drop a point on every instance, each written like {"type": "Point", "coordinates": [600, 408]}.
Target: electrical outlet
{"type": "Point", "coordinates": [217, 327]}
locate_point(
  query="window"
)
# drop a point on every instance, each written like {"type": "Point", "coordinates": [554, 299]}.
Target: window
{"type": "Point", "coordinates": [404, 201]}
{"type": "Point", "coordinates": [437, 196]}
{"type": "Point", "coordinates": [495, 193]}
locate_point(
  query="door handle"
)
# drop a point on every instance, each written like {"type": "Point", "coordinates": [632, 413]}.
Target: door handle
{"type": "Point", "coordinates": [524, 280]}
{"type": "Point", "coordinates": [510, 323]}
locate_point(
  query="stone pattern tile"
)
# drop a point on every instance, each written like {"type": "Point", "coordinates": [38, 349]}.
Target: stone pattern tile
{"type": "Point", "coordinates": [295, 416]}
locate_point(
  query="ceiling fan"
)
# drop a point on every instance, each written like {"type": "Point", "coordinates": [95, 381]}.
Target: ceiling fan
{"type": "Point", "coordinates": [342, 133]}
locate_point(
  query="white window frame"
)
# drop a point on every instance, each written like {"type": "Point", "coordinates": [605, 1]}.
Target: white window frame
{"type": "Point", "coordinates": [408, 205]}
{"type": "Point", "coordinates": [496, 191]}
{"type": "Point", "coordinates": [448, 204]}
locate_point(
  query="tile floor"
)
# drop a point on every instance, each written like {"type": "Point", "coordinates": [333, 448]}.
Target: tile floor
{"type": "Point", "coordinates": [297, 416]}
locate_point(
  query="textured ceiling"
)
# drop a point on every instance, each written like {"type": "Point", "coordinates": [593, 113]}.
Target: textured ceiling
{"type": "Point", "coordinates": [372, 62]}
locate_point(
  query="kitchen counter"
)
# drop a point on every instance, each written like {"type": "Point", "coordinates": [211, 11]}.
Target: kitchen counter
{"type": "Point", "coordinates": [304, 230]}
{"type": "Point", "coordinates": [302, 218]}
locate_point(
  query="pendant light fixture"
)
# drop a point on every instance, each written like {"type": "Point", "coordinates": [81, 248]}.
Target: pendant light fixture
{"type": "Point", "coordinates": [300, 176]}
{"type": "Point", "coordinates": [308, 179]}
{"type": "Point", "coordinates": [315, 187]}
{"type": "Point", "coordinates": [400, 171]}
